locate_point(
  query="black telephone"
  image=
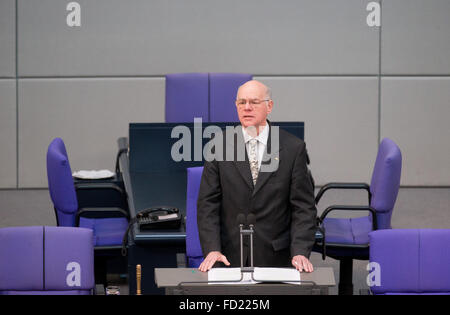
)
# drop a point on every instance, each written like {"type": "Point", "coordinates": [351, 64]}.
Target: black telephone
{"type": "Point", "coordinates": [153, 219]}
{"type": "Point", "coordinates": [159, 218]}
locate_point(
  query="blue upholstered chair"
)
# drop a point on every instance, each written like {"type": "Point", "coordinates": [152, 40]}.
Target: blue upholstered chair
{"type": "Point", "coordinates": [39, 260]}
{"type": "Point", "coordinates": [108, 224]}
{"type": "Point", "coordinates": [222, 95]}
{"type": "Point", "coordinates": [210, 96]}
{"type": "Point", "coordinates": [348, 239]}
{"type": "Point", "coordinates": [410, 262]}
{"type": "Point", "coordinates": [187, 97]}
{"type": "Point", "coordinates": [194, 252]}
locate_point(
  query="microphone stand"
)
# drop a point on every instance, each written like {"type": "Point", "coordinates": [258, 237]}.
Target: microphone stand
{"type": "Point", "coordinates": [249, 232]}
{"type": "Point", "coordinates": [243, 232]}
{"type": "Point", "coordinates": [251, 269]}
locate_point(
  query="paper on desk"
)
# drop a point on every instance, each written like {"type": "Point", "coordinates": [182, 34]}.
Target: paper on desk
{"type": "Point", "coordinates": [101, 174]}
{"type": "Point", "coordinates": [228, 274]}
{"type": "Point", "coordinates": [232, 275]}
{"type": "Point", "coordinates": [285, 275]}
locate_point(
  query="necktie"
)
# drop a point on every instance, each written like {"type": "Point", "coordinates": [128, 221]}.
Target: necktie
{"type": "Point", "coordinates": [253, 159]}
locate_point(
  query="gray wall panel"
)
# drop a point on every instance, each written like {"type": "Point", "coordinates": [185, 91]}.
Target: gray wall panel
{"type": "Point", "coordinates": [415, 113]}
{"type": "Point", "coordinates": [302, 47]}
{"type": "Point", "coordinates": [8, 140]}
{"type": "Point", "coordinates": [88, 114]}
{"type": "Point", "coordinates": [140, 37]}
{"type": "Point", "coordinates": [340, 116]}
{"type": "Point", "coordinates": [7, 38]}
{"type": "Point", "coordinates": [415, 37]}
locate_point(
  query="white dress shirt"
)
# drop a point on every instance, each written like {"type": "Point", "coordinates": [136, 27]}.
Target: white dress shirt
{"type": "Point", "coordinates": [262, 142]}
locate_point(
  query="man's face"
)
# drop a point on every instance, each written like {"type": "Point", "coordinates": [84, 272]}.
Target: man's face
{"type": "Point", "coordinates": [249, 111]}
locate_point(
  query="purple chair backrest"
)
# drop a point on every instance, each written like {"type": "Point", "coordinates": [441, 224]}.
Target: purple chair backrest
{"type": "Point", "coordinates": [385, 181]}
{"type": "Point", "coordinates": [187, 97]}
{"type": "Point", "coordinates": [410, 261]}
{"type": "Point", "coordinates": [60, 183]}
{"type": "Point", "coordinates": [223, 89]}
{"type": "Point", "coordinates": [193, 248]}
{"type": "Point", "coordinates": [46, 260]}
{"type": "Point", "coordinates": [210, 96]}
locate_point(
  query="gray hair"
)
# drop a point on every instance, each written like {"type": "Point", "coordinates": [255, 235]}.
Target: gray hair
{"type": "Point", "coordinates": [268, 92]}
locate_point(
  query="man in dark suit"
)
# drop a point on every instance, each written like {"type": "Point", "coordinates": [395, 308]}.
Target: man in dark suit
{"type": "Point", "coordinates": [281, 198]}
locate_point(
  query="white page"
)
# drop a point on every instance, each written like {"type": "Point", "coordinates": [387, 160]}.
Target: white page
{"type": "Point", "coordinates": [228, 274]}
{"type": "Point", "coordinates": [287, 275]}
{"type": "Point", "coordinates": [101, 174]}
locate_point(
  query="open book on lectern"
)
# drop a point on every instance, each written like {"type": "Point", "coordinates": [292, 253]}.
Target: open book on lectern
{"type": "Point", "coordinates": [260, 275]}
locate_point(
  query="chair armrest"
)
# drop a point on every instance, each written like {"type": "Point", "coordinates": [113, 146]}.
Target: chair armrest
{"type": "Point", "coordinates": [351, 208]}
{"type": "Point", "coordinates": [321, 230]}
{"type": "Point", "coordinates": [343, 186]}
{"type": "Point", "coordinates": [123, 149]}
{"type": "Point", "coordinates": [88, 186]}
{"type": "Point", "coordinates": [109, 212]}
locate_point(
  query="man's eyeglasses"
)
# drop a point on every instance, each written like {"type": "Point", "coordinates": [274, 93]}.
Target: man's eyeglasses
{"type": "Point", "coordinates": [253, 102]}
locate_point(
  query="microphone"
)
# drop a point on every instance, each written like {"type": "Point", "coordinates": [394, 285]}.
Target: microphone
{"type": "Point", "coordinates": [251, 219]}
{"type": "Point", "coordinates": [241, 219]}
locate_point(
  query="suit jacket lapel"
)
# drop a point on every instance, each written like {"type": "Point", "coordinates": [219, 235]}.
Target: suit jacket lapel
{"type": "Point", "coordinates": [244, 169]}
